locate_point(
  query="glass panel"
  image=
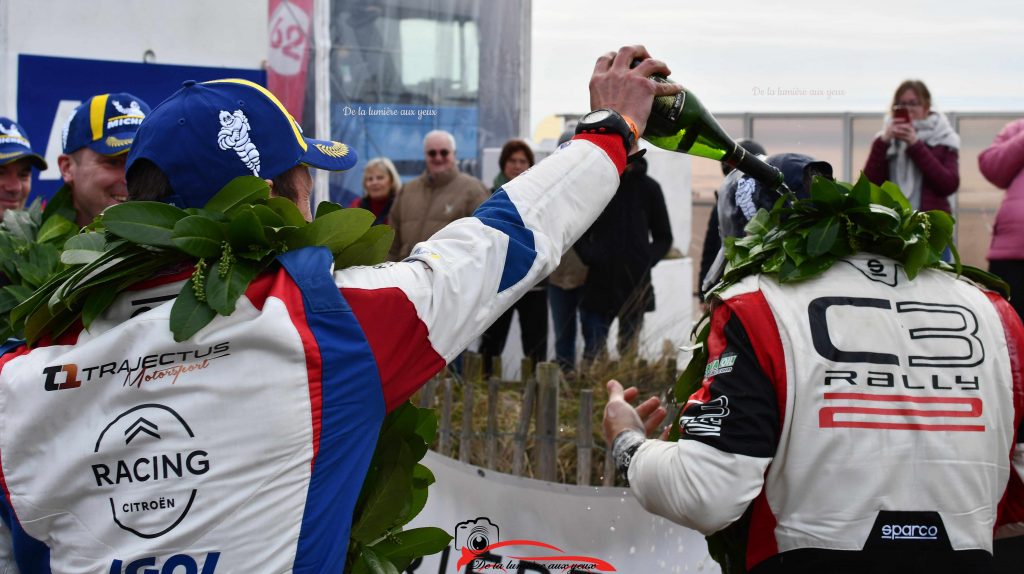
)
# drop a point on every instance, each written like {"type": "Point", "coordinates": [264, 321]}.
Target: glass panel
{"type": "Point", "coordinates": [864, 131]}
{"type": "Point", "coordinates": [820, 138]}
{"type": "Point", "coordinates": [398, 70]}
{"type": "Point", "coordinates": [706, 173]}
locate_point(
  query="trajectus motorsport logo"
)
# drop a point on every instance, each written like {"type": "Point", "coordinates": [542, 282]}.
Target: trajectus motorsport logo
{"type": "Point", "coordinates": [167, 367]}
{"type": "Point", "coordinates": [148, 464]}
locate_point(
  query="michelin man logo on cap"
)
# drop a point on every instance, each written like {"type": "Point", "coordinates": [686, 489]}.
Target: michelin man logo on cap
{"type": "Point", "coordinates": [208, 133]}
{"type": "Point", "coordinates": [745, 197]}
{"type": "Point", "coordinates": [133, 110]}
{"type": "Point", "coordinates": [105, 123]}
{"type": "Point", "coordinates": [12, 132]}
{"type": "Point", "coordinates": [14, 145]}
{"type": "Point", "coordinates": [234, 135]}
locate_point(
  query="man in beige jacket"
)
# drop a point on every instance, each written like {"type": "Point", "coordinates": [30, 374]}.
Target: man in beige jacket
{"type": "Point", "coordinates": [436, 198]}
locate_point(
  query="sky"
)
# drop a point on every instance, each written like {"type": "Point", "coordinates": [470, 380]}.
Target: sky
{"type": "Point", "coordinates": [789, 55]}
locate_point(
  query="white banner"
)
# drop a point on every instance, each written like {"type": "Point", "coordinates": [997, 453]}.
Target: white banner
{"type": "Point", "coordinates": [531, 526]}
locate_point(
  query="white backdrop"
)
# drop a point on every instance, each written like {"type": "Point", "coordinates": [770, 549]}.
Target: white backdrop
{"type": "Point", "coordinates": [599, 522]}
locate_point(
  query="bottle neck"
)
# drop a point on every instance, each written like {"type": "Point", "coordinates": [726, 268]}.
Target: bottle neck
{"type": "Point", "coordinates": [753, 166]}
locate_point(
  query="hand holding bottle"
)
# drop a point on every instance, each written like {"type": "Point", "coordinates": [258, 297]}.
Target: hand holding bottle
{"type": "Point", "coordinates": [630, 92]}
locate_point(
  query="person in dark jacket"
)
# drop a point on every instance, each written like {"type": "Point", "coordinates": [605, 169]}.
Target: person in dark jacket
{"type": "Point", "coordinates": [630, 237]}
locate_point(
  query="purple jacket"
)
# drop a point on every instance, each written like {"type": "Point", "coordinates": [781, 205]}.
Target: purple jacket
{"type": "Point", "coordinates": [939, 165]}
{"type": "Point", "coordinates": [1002, 163]}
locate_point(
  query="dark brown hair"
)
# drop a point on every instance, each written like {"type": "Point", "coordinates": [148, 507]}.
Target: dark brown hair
{"type": "Point", "coordinates": [147, 182]}
{"type": "Point", "coordinates": [511, 147]}
{"type": "Point", "coordinates": [919, 89]}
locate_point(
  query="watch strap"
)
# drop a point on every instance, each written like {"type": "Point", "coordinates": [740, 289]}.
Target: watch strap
{"type": "Point", "coordinates": [612, 123]}
{"type": "Point", "coordinates": [624, 447]}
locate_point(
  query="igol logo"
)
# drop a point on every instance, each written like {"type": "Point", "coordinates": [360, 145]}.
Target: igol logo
{"type": "Point", "coordinates": [148, 463]}
{"type": "Point", "coordinates": [172, 565]}
{"type": "Point", "coordinates": [162, 366]}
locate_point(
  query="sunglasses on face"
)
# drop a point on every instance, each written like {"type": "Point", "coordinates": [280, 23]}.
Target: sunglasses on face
{"type": "Point", "coordinates": [434, 152]}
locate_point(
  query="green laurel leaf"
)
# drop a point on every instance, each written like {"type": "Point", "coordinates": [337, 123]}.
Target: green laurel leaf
{"type": "Point", "coordinates": [143, 222]}
{"type": "Point", "coordinates": [198, 236]}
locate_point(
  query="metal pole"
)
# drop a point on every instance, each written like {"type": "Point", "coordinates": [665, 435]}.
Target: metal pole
{"type": "Point", "coordinates": [322, 76]}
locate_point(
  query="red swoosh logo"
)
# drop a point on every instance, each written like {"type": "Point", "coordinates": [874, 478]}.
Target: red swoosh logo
{"type": "Point", "coordinates": [469, 555]}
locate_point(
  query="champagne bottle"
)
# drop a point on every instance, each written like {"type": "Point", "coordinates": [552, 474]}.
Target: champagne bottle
{"type": "Point", "coordinates": [681, 123]}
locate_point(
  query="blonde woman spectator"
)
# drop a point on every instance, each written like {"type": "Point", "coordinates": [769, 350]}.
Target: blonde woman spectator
{"type": "Point", "coordinates": [381, 185]}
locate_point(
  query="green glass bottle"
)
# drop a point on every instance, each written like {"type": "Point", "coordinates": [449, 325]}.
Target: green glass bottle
{"type": "Point", "coordinates": [681, 123]}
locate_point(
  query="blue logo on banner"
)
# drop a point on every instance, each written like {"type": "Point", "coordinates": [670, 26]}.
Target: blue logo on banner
{"type": "Point", "coordinates": [50, 88]}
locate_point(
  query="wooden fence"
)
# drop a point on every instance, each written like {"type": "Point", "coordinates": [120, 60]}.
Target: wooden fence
{"type": "Point", "coordinates": [487, 422]}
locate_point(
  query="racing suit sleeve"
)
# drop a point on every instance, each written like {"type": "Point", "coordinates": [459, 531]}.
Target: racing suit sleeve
{"type": "Point", "coordinates": [1010, 520]}
{"type": "Point", "coordinates": [730, 429]}
{"type": "Point", "coordinates": [420, 313]}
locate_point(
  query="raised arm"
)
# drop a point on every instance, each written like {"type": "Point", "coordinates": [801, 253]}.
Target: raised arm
{"type": "Point", "coordinates": [454, 285]}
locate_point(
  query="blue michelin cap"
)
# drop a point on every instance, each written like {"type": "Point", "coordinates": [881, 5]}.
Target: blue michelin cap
{"type": "Point", "coordinates": [209, 133]}
{"type": "Point", "coordinates": [14, 145]}
{"type": "Point", "coordinates": [105, 123]}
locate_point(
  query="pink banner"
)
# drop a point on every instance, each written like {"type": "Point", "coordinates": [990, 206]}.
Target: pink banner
{"type": "Point", "coordinates": [288, 56]}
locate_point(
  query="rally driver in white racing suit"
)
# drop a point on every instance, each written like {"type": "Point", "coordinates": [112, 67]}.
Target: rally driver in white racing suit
{"type": "Point", "coordinates": [867, 423]}
{"type": "Point", "coordinates": [243, 448]}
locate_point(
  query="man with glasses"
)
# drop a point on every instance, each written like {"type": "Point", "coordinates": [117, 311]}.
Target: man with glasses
{"type": "Point", "coordinates": [436, 198]}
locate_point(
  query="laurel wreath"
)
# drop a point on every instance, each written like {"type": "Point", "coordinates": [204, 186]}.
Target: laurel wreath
{"type": "Point", "coordinates": [802, 238]}
{"type": "Point", "coordinates": [238, 234]}
{"type": "Point", "coordinates": [31, 241]}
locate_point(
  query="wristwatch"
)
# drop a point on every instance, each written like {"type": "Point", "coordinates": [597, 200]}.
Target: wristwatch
{"type": "Point", "coordinates": [605, 121]}
{"type": "Point", "coordinates": [624, 446]}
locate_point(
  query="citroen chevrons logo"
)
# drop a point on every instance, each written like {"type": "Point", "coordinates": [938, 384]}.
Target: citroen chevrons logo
{"type": "Point", "coordinates": [152, 479]}
{"type": "Point", "coordinates": [141, 426]}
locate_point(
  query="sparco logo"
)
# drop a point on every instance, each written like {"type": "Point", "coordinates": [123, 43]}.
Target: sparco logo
{"type": "Point", "coordinates": [910, 532]}
{"type": "Point", "coordinates": [147, 466]}
{"type": "Point", "coordinates": [166, 367]}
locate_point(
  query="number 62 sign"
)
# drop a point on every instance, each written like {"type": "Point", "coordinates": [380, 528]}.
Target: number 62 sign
{"type": "Point", "coordinates": [289, 37]}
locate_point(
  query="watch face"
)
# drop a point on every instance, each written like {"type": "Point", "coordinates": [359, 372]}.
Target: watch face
{"type": "Point", "coordinates": [595, 116]}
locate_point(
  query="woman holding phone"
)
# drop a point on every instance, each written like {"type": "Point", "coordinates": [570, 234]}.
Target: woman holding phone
{"type": "Point", "coordinates": [917, 150]}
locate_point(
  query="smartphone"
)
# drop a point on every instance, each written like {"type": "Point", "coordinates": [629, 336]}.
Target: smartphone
{"type": "Point", "coordinates": [901, 115]}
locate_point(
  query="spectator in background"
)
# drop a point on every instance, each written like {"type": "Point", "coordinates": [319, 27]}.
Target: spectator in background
{"type": "Point", "coordinates": [565, 287]}
{"type": "Point", "coordinates": [630, 237]}
{"type": "Point", "coordinates": [517, 157]}
{"type": "Point", "coordinates": [16, 162]}
{"type": "Point", "coordinates": [96, 141]}
{"type": "Point", "coordinates": [712, 239]}
{"type": "Point", "coordinates": [380, 187]}
{"type": "Point", "coordinates": [917, 149]}
{"type": "Point", "coordinates": [1002, 163]}
{"type": "Point", "coordinates": [434, 199]}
